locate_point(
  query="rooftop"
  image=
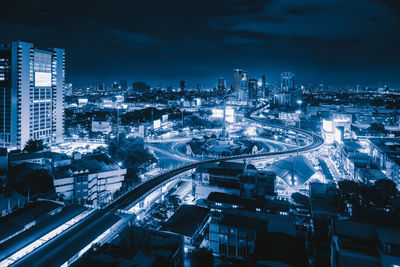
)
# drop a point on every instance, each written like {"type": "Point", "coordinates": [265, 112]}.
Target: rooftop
{"type": "Point", "coordinates": [186, 220]}
{"type": "Point", "coordinates": [270, 204]}
{"type": "Point", "coordinates": [86, 165]}
{"type": "Point", "coordinates": [297, 166]}
{"type": "Point", "coordinates": [18, 220]}
{"type": "Point", "coordinates": [257, 221]}
{"type": "Point", "coordinates": [387, 145]}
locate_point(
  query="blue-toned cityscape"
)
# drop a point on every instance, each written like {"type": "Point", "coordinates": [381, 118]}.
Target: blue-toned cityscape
{"type": "Point", "coordinates": [214, 145]}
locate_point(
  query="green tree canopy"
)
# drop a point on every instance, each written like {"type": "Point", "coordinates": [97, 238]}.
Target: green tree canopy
{"type": "Point", "coordinates": [34, 146]}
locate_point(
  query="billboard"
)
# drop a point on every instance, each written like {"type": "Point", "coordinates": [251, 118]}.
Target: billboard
{"type": "Point", "coordinates": [101, 126]}
{"type": "Point", "coordinates": [156, 124]}
{"type": "Point", "coordinates": [217, 113]}
{"type": "Point", "coordinates": [230, 115]}
{"type": "Point", "coordinates": [164, 118]}
{"type": "Point", "coordinates": [327, 125]}
{"type": "Point", "coordinates": [82, 101]}
{"type": "Point", "coordinates": [141, 130]}
{"type": "Point", "coordinates": [42, 79]}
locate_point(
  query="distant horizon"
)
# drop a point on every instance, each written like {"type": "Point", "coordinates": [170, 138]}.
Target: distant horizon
{"type": "Point", "coordinates": [192, 84]}
{"type": "Point", "coordinates": [198, 42]}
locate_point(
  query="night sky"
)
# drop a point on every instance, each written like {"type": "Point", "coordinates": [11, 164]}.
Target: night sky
{"type": "Point", "coordinates": [332, 42]}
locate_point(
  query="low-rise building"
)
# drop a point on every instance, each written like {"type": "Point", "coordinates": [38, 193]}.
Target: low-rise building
{"type": "Point", "coordinates": [92, 178]}
{"type": "Point", "coordinates": [257, 184]}
{"type": "Point", "coordinates": [224, 174]}
{"type": "Point", "coordinates": [188, 221]}
{"type": "Point", "coordinates": [136, 246]}
{"type": "Point", "coordinates": [356, 243]}
{"type": "Point", "coordinates": [233, 233]}
{"type": "Point", "coordinates": [385, 153]}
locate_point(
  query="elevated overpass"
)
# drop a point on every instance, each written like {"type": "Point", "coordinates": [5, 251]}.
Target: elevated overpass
{"type": "Point", "coordinates": [64, 247]}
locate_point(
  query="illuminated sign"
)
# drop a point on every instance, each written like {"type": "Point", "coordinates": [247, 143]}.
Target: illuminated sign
{"type": "Point", "coordinates": [101, 126]}
{"type": "Point", "coordinates": [141, 130]}
{"type": "Point", "coordinates": [229, 113]}
{"type": "Point", "coordinates": [82, 101]}
{"type": "Point", "coordinates": [217, 113]}
{"type": "Point", "coordinates": [164, 118]}
{"type": "Point", "coordinates": [327, 125]}
{"type": "Point", "coordinates": [42, 79]}
{"type": "Point", "coordinates": [156, 124]}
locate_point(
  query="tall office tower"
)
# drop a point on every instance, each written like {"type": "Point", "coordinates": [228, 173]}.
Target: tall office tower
{"type": "Point", "coordinates": [116, 87]}
{"type": "Point", "coordinates": [198, 87]}
{"type": "Point", "coordinates": [241, 84]}
{"type": "Point", "coordinates": [31, 94]}
{"type": "Point", "coordinates": [221, 88]}
{"type": "Point", "coordinates": [264, 88]}
{"type": "Point", "coordinates": [124, 85]}
{"type": "Point", "coordinates": [253, 86]}
{"type": "Point", "coordinates": [140, 87]}
{"type": "Point", "coordinates": [287, 81]}
{"type": "Point", "coordinates": [182, 85]}
{"type": "Point", "coordinates": [102, 87]}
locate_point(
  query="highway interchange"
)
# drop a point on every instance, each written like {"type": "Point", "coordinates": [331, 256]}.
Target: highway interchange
{"type": "Point", "coordinates": [60, 249]}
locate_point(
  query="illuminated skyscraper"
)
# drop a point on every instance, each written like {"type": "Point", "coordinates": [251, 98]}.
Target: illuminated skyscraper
{"type": "Point", "coordinates": [287, 81]}
{"type": "Point", "coordinates": [31, 94]}
{"type": "Point", "coordinates": [116, 87]}
{"type": "Point", "coordinates": [221, 89]}
{"type": "Point", "coordinates": [253, 86]}
{"type": "Point", "coordinates": [124, 85]}
{"type": "Point", "coordinates": [241, 84]}
{"type": "Point", "coordinates": [102, 87]}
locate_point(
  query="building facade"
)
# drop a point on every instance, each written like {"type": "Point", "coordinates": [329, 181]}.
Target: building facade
{"type": "Point", "coordinates": [88, 181]}
{"type": "Point", "coordinates": [31, 94]}
{"type": "Point", "coordinates": [241, 85]}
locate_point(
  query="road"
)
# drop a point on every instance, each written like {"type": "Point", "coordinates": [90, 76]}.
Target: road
{"type": "Point", "coordinates": [61, 248]}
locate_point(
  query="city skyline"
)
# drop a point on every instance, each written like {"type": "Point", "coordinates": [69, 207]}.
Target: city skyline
{"type": "Point", "coordinates": [211, 133]}
{"type": "Point", "coordinates": [166, 43]}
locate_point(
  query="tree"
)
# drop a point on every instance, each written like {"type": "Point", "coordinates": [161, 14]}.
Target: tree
{"type": "Point", "coordinates": [202, 257]}
{"type": "Point", "coordinates": [134, 156]}
{"type": "Point", "coordinates": [377, 127]}
{"type": "Point", "coordinates": [34, 146]}
{"type": "Point", "coordinates": [32, 179]}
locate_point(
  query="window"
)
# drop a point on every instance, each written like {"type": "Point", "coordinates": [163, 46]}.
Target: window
{"type": "Point", "coordinates": [222, 249]}
{"type": "Point", "coordinates": [232, 251]}
{"type": "Point", "coordinates": [242, 252]}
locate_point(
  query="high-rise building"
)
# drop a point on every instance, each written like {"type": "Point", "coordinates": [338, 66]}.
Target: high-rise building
{"type": "Point", "coordinates": [102, 87]}
{"type": "Point", "coordinates": [182, 85]}
{"type": "Point", "coordinates": [140, 87]}
{"type": "Point", "coordinates": [198, 87]}
{"type": "Point", "coordinates": [287, 81]}
{"type": "Point", "coordinates": [265, 89]}
{"type": "Point", "coordinates": [31, 94]}
{"type": "Point", "coordinates": [221, 88]}
{"type": "Point", "coordinates": [69, 90]}
{"type": "Point", "coordinates": [253, 86]}
{"type": "Point", "coordinates": [124, 85]}
{"type": "Point", "coordinates": [116, 87]}
{"type": "Point", "coordinates": [240, 84]}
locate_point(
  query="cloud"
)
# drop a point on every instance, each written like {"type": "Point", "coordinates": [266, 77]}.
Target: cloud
{"type": "Point", "coordinates": [306, 10]}
{"type": "Point", "coordinates": [131, 37]}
